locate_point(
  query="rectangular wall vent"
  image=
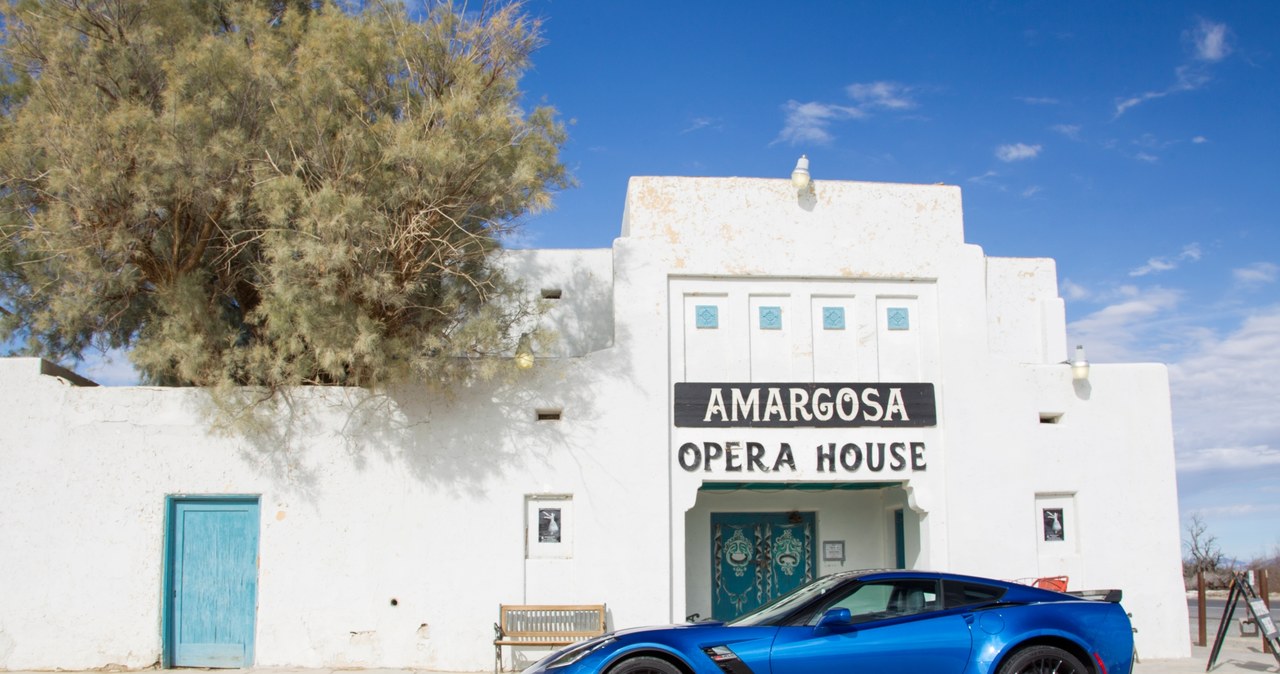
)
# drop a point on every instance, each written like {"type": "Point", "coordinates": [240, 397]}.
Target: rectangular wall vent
{"type": "Point", "coordinates": [550, 293]}
{"type": "Point", "coordinates": [548, 415]}
{"type": "Point", "coordinates": [1050, 417]}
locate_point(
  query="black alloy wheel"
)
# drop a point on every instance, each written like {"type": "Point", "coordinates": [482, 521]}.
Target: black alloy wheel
{"type": "Point", "coordinates": [644, 665]}
{"type": "Point", "coordinates": [1043, 660]}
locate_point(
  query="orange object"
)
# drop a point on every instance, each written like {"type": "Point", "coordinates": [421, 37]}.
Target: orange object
{"type": "Point", "coordinates": [1055, 583]}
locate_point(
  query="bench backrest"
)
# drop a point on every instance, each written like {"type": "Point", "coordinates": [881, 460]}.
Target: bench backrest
{"type": "Point", "coordinates": [543, 621]}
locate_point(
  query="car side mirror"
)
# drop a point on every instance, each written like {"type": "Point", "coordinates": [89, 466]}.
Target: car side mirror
{"type": "Point", "coordinates": [836, 617]}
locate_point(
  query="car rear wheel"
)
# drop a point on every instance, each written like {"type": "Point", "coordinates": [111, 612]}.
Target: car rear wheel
{"type": "Point", "coordinates": [1043, 660]}
{"type": "Point", "coordinates": [644, 665]}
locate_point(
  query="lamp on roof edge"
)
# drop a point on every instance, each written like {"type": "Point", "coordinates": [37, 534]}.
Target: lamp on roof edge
{"type": "Point", "coordinates": [1079, 365]}
{"type": "Point", "coordinates": [524, 352]}
{"type": "Point", "coordinates": [800, 178]}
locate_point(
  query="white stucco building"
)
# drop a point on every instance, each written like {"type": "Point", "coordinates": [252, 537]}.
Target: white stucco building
{"type": "Point", "coordinates": [834, 381]}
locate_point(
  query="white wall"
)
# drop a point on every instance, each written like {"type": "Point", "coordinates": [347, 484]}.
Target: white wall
{"type": "Point", "coordinates": [421, 497]}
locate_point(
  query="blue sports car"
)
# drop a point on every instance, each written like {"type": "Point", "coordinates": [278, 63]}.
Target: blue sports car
{"type": "Point", "coordinates": [879, 622]}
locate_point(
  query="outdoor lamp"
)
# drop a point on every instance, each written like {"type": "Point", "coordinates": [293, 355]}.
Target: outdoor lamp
{"type": "Point", "coordinates": [1079, 365]}
{"type": "Point", "coordinates": [524, 352]}
{"type": "Point", "coordinates": [800, 176]}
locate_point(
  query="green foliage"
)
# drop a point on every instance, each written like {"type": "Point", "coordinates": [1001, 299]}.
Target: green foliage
{"type": "Point", "coordinates": [267, 193]}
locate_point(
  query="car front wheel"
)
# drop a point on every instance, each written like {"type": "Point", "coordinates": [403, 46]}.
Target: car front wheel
{"type": "Point", "coordinates": [644, 665]}
{"type": "Point", "coordinates": [1043, 660]}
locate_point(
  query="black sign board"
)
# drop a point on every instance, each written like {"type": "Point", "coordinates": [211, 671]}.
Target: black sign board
{"type": "Point", "coordinates": [796, 405]}
{"type": "Point", "coordinates": [1241, 588]}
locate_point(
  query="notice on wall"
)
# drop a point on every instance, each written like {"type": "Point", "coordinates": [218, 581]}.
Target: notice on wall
{"type": "Point", "coordinates": [549, 525]}
{"type": "Point", "coordinates": [1054, 527]}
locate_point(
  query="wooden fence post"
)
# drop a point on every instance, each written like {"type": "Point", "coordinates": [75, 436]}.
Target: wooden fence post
{"type": "Point", "coordinates": [1266, 599]}
{"type": "Point", "coordinates": [1200, 608]}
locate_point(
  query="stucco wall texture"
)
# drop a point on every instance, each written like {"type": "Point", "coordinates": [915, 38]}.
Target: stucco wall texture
{"type": "Point", "coordinates": [423, 498]}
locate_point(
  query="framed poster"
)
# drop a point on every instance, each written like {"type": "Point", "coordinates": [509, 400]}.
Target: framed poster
{"type": "Point", "coordinates": [548, 526]}
{"type": "Point", "coordinates": [1054, 524]}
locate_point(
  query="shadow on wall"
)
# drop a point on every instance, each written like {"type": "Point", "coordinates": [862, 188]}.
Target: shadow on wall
{"type": "Point", "coordinates": [457, 440]}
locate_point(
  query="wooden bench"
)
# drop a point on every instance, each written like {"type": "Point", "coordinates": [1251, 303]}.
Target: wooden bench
{"type": "Point", "coordinates": [545, 625]}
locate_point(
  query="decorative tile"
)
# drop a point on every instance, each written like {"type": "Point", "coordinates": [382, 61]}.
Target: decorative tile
{"type": "Point", "coordinates": [833, 318]}
{"type": "Point", "coordinates": [899, 318]}
{"type": "Point", "coordinates": [770, 318]}
{"type": "Point", "coordinates": [708, 316]}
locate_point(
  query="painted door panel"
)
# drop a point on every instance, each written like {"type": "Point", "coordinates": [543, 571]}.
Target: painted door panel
{"type": "Point", "coordinates": [934, 644]}
{"type": "Point", "coordinates": [757, 557]}
{"type": "Point", "coordinates": [214, 583]}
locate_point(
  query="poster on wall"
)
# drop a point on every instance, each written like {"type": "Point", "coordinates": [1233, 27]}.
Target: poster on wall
{"type": "Point", "coordinates": [549, 523]}
{"type": "Point", "coordinates": [1053, 524]}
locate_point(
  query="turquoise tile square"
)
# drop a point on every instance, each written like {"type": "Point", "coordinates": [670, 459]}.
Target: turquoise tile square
{"type": "Point", "coordinates": [770, 318]}
{"type": "Point", "coordinates": [899, 318]}
{"type": "Point", "coordinates": [833, 318]}
{"type": "Point", "coordinates": [707, 316]}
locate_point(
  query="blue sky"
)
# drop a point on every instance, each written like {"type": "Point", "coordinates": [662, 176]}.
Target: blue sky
{"type": "Point", "coordinates": [1134, 142]}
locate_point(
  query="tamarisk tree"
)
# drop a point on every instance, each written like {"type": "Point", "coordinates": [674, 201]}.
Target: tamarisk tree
{"type": "Point", "coordinates": [268, 193]}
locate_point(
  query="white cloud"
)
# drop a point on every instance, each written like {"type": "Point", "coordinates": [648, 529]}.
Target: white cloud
{"type": "Point", "coordinates": [1210, 40]}
{"type": "Point", "coordinates": [1199, 139]}
{"type": "Point", "coordinates": [1210, 43]}
{"type": "Point", "coordinates": [1017, 152]}
{"type": "Point", "coordinates": [809, 122]}
{"type": "Point", "coordinates": [1074, 291]}
{"type": "Point", "coordinates": [1120, 331]}
{"type": "Point", "coordinates": [700, 123]}
{"type": "Point", "coordinates": [1031, 191]}
{"type": "Point", "coordinates": [1038, 100]}
{"type": "Point", "coordinates": [1146, 157]}
{"type": "Point", "coordinates": [1154, 265]}
{"type": "Point", "coordinates": [1224, 395]}
{"type": "Point", "coordinates": [1256, 274]}
{"type": "Point", "coordinates": [1227, 458]}
{"type": "Point", "coordinates": [1238, 509]}
{"type": "Point", "coordinates": [886, 95]}
{"type": "Point", "coordinates": [1071, 131]}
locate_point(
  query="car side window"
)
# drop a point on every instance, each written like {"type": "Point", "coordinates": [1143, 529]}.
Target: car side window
{"type": "Point", "coordinates": [958, 593]}
{"type": "Point", "coordinates": [884, 599]}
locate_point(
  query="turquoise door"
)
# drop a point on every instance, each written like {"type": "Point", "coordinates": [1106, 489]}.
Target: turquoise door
{"type": "Point", "coordinates": [756, 557]}
{"type": "Point", "coordinates": [212, 582]}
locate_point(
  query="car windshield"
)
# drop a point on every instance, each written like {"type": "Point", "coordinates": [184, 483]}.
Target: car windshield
{"type": "Point", "coordinates": [784, 605]}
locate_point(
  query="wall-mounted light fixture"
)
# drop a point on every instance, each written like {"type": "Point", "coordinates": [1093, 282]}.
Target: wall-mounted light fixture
{"type": "Point", "coordinates": [1079, 365]}
{"type": "Point", "coordinates": [524, 352]}
{"type": "Point", "coordinates": [800, 177]}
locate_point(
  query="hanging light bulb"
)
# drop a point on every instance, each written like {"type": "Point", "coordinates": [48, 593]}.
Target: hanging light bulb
{"type": "Point", "coordinates": [800, 175]}
{"type": "Point", "coordinates": [1079, 365]}
{"type": "Point", "coordinates": [524, 352]}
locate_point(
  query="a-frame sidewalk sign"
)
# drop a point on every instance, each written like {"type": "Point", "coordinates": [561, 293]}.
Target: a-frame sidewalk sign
{"type": "Point", "coordinates": [1242, 588]}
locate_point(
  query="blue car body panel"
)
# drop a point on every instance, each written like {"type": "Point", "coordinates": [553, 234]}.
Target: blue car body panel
{"type": "Point", "coordinates": [974, 638]}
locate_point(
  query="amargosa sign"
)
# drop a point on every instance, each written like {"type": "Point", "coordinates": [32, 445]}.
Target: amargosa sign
{"type": "Point", "coordinates": [795, 405]}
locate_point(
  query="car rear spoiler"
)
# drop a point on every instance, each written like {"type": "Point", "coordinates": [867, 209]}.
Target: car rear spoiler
{"type": "Point", "coordinates": [1112, 596]}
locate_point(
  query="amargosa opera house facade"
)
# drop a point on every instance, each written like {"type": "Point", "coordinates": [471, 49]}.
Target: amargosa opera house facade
{"type": "Point", "coordinates": [753, 387]}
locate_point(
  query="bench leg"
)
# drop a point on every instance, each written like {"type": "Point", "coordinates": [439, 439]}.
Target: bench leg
{"type": "Point", "coordinates": [497, 659]}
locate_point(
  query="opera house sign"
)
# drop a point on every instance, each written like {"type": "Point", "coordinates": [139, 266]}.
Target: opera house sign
{"type": "Point", "coordinates": [801, 405]}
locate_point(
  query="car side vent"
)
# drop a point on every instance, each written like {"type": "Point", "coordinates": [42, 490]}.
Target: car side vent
{"type": "Point", "coordinates": [726, 660]}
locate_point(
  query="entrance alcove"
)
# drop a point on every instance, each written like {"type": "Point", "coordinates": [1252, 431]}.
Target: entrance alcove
{"type": "Point", "coordinates": [749, 542]}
